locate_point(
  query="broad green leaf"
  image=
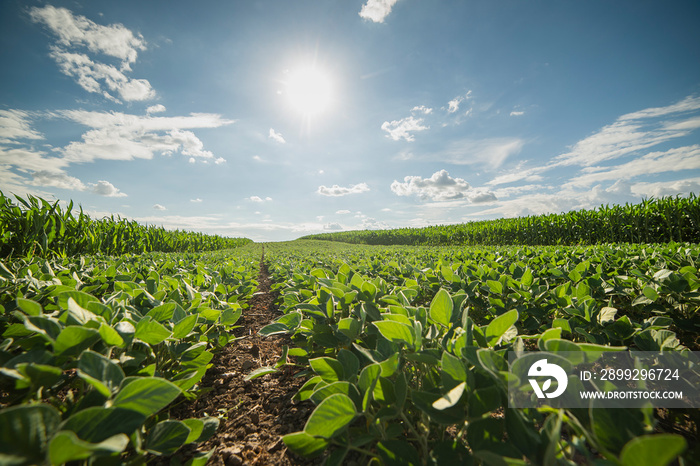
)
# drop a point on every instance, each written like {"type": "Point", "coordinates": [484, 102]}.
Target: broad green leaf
{"type": "Point", "coordinates": [398, 453]}
{"type": "Point", "coordinates": [32, 308]}
{"type": "Point", "coordinates": [332, 416]}
{"type": "Point", "coordinates": [496, 287]}
{"type": "Point", "coordinates": [441, 308]}
{"type": "Point", "coordinates": [196, 426]}
{"type": "Point", "coordinates": [151, 332]}
{"type": "Point", "coordinates": [166, 437]}
{"type": "Point", "coordinates": [499, 326]}
{"type": "Point", "coordinates": [25, 432]}
{"type": "Point", "coordinates": [184, 327]}
{"type": "Point", "coordinates": [652, 450]}
{"type": "Point", "coordinates": [451, 398]}
{"type": "Point", "coordinates": [329, 369]}
{"type": "Point", "coordinates": [110, 336]}
{"type": "Point", "coordinates": [146, 395]}
{"type": "Point", "coordinates": [97, 424]}
{"type": "Point", "coordinates": [304, 444]}
{"type": "Point", "coordinates": [607, 314]}
{"type": "Point", "coordinates": [650, 293]}
{"type": "Point", "coordinates": [66, 446]}
{"type": "Point", "coordinates": [73, 340]}
{"type": "Point", "coordinates": [101, 368]}
{"type": "Point", "coordinates": [396, 332]}
{"type": "Point", "coordinates": [162, 313]}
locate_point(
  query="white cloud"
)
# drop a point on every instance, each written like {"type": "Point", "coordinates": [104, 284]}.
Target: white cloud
{"type": "Point", "coordinates": [155, 109]}
{"type": "Point", "coordinates": [119, 136]}
{"type": "Point", "coordinates": [633, 132]}
{"type": "Point", "coordinates": [490, 153]}
{"type": "Point", "coordinates": [666, 188]}
{"type": "Point", "coordinates": [159, 207]}
{"type": "Point", "coordinates": [191, 160]}
{"type": "Point", "coordinates": [259, 199]}
{"type": "Point", "coordinates": [402, 129]}
{"type": "Point", "coordinates": [422, 109]}
{"type": "Point", "coordinates": [377, 10]}
{"type": "Point", "coordinates": [673, 160]}
{"type": "Point", "coordinates": [220, 160]}
{"type": "Point", "coordinates": [453, 105]}
{"type": "Point", "coordinates": [275, 136]}
{"type": "Point", "coordinates": [57, 180]}
{"type": "Point", "coordinates": [196, 201]}
{"type": "Point", "coordinates": [107, 189]}
{"type": "Point", "coordinates": [481, 196]}
{"type": "Point", "coordinates": [336, 190]}
{"type": "Point", "coordinates": [332, 226]}
{"type": "Point", "coordinates": [342, 212]}
{"type": "Point", "coordinates": [517, 113]}
{"type": "Point", "coordinates": [14, 125]}
{"type": "Point", "coordinates": [115, 41]}
{"type": "Point", "coordinates": [439, 187]}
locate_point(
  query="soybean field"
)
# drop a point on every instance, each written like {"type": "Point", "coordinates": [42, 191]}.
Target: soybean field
{"type": "Point", "coordinates": [114, 346]}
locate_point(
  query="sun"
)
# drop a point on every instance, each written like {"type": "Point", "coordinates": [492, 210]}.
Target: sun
{"type": "Point", "coordinates": [309, 90]}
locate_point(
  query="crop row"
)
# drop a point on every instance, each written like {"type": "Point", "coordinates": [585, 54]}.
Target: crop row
{"type": "Point", "coordinates": [651, 221]}
{"type": "Point", "coordinates": [94, 349]}
{"type": "Point", "coordinates": [34, 226]}
{"type": "Point", "coordinates": [406, 349]}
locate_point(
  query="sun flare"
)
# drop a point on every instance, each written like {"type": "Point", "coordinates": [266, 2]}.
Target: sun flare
{"type": "Point", "coordinates": [308, 90]}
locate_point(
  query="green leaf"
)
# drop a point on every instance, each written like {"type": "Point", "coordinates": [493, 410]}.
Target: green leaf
{"type": "Point", "coordinates": [329, 369]}
{"type": "Point", "coordinates": [652, 450]}
{"type": "Point", "coordinates": [396, 332]}
{"type": "Point", "coordinates": [97, 424]}
{"type": "Point", "coordinates": [650, 293]}
{"type": "Point", "coordinates": [25, 431]}
{"type": "Point", "coordinates": [66, 446]}
{"type": "Point", "coordinates": [332, 416]}
{"type": "Point", "coordinates": [80, 298]}
{"type": "Point", "coordinates": [496, 287]}
{"type": "Point", "coordinates": [162, 313]}
{"type": "Point", "coordinates": [304, 444]}
{"type": "Point", "coordinates": [259, 372]}
{"type": "Point", "coordinates": [441, 308]}
{"type": "Point", "coordinates": [103, 369]}
{"type": "Point", "coordinates": [499, 326]}
{"type": "Point", "coordinates": [166, 437]}
{"type": "Point", "coordinates": [110, 336]}
{"type": "Point", "coordinates": [146, 395]}
{"type": "Point", "coordinates": [398, 453]}
{"type": "Point", "coordinates": [211, 424]}
{"type": "Point", "coordinates": [196, 426]}
{"type": "Point", "coordinates": [73, 340]}
{"type": "Point", "coordinates": [451, 398]}
{"type": "Point", "coordinates": [184, 327]}
{"type": "Point", "coordinates": [151, 332]}
{"type": "Point", "coordinates": [30, 307]}
{"type": "Point", "coordinates": [607, 314]}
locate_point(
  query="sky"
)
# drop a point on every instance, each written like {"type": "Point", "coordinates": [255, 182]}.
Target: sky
{"type": "Point", "coordinates": [273, 120]}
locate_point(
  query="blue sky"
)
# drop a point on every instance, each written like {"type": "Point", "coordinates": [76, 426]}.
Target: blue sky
{"type": "Point", "coordinates": [277, 119]}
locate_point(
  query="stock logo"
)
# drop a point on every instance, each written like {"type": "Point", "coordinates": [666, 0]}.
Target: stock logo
{"type": "Point", "coordinates": [543, 369]}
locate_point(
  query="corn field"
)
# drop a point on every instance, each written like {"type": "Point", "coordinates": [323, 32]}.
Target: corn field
{"type": "Point", "coordinates": [37, 227]}
{"type": "Point", "coordinates": [661, 220]}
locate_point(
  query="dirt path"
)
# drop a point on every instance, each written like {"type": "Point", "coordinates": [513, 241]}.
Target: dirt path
{"type": "Point", "coordinates": [259, 412]}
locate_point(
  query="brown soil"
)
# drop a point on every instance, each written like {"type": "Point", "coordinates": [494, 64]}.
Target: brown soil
{"type": "Point", "coordinates": [256, 413]}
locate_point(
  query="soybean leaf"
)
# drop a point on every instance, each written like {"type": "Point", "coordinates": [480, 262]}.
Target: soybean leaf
{"type": "Point", "coordinates": [304, 444]}
{"type": "Point", "coordinates": [330, 417]}
{"type": "Point", "coordinates": [259, 372]}
{"type": "Point", "coordinates": [329, 369]}
{"type": "Point", "coordinates": [398, 453]}
{"type": "Point", "coordinates": [499, 326]}
{"type": "Point", "coordinates": [97, 423]}
{"type": "Point", "coordinates": [441, 308]}
{"type": "Point", "coordinates": [73, 340]}
{"type": "Point", "coordinates": [66, 446]}
{"type": "Point", "coordinates": [146, 395]}
{"type": "Point", "coordinates": [150, 331]}
{"type": "Point", "coordinates": [166, 437]}
{"type": "Point", "coordinates": [652, 450]}
{"type": "Point", "coordinates": [396, 332]}
{"type": "Point", "coordinates": [451, 398]}
{"type": "Point", "coordinates": [24, 432]}
{"type": "Point", "coordinates": [184, 327]}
